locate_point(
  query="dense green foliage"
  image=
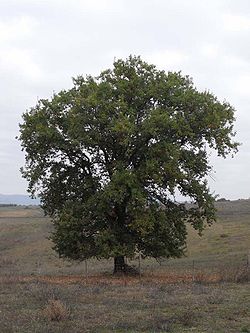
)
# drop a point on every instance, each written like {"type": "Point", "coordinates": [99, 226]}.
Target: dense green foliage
{"type": "Point", "coordinates": [108, 156]}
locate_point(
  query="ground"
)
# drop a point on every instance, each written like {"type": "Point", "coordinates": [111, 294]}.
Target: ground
{"type": "Point", "coordinates": [207, 291]}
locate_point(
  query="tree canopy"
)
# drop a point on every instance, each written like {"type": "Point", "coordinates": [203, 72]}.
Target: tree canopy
{"type": "Point", "coordinates": [108, 156]}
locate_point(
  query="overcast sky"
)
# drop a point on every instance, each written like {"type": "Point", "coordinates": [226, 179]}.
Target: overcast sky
{"type": "Point", "coordinates": [43, 44]}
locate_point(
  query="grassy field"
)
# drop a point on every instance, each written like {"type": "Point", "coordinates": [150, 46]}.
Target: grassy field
{"type": "Point", "coordinates": [206, 291]}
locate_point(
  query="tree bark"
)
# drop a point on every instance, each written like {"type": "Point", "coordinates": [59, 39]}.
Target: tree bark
{"type": "Point", "coordinates": [119, 265]}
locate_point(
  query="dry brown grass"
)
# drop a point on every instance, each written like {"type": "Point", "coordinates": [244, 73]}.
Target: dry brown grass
{"type": "Point", "coordinates": [20, 212]}
{"type": "Point", "coordinates": [56, 310]}
{"type": "Point", "coordinates": [37, 289]}
{"type": "Point", "coordinates": [240, 274]}
{"type": "Point", "coordinates": [41, 306]}
{"type": "Point", "coordinates": [187, 318]}
{"type": "Point", "coordinates": [227, 274]}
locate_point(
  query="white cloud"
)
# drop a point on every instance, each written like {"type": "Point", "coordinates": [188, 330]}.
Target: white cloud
{"type": "Point", "coordinates": [19, 62]}
{"type": "Point", "coordinates": [101, 6]}
{"type": "Point", "coordinates": [17, 28]}
{"type": "Point", "coordinates": [44, 43]}
{"type": "Point", "coordinates": [16, 59]}
{"type": "Point", "coordinates": [236, 23]}
{"type": "Point", "coordinates": [242, 85]}
{"type": "Point", "coordinates": [237, 62]}
{"type": "Point", "coordinates": [168, 59]}
{"type": "Point", "coordinates": [210, 50]}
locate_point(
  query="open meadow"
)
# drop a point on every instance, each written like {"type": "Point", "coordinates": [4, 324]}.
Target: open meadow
{"type": "Point", "coordinates": [206, 291]}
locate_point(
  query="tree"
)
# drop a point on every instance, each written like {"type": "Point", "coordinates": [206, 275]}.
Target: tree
{"type": "Point", "coordinates": [108, 156]}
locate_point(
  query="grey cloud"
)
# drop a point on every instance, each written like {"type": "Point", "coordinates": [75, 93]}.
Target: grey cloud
{"type": "Point", "coordinates": [83, 37]}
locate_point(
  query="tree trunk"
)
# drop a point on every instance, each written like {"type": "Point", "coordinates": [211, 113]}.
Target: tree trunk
{"type": "Point", "coordinates": [119, 265]}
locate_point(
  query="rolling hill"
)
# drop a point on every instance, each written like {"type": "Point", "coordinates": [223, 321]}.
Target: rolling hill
{"type": "Point", "coordinates": [18, 199]}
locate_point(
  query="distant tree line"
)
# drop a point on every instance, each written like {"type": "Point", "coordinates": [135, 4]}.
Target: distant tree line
{"type": "Point", "coordinates": [222, 200]}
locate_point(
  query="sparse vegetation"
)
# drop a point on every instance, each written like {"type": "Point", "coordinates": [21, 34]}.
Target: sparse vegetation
{"type": "Point", "coordinates": [40, 293]}
{"type": "Point", "coordinates": [56, 310]}
{"type": "Point", "coordinates": [148, 307]}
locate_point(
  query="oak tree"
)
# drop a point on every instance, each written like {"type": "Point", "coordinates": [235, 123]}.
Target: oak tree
{"type": "Point", "coordinates": [108, 156]}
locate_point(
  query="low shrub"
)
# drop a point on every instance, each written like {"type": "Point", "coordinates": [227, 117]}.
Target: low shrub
{"type": "Point", "coordinates": [56, 310]}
